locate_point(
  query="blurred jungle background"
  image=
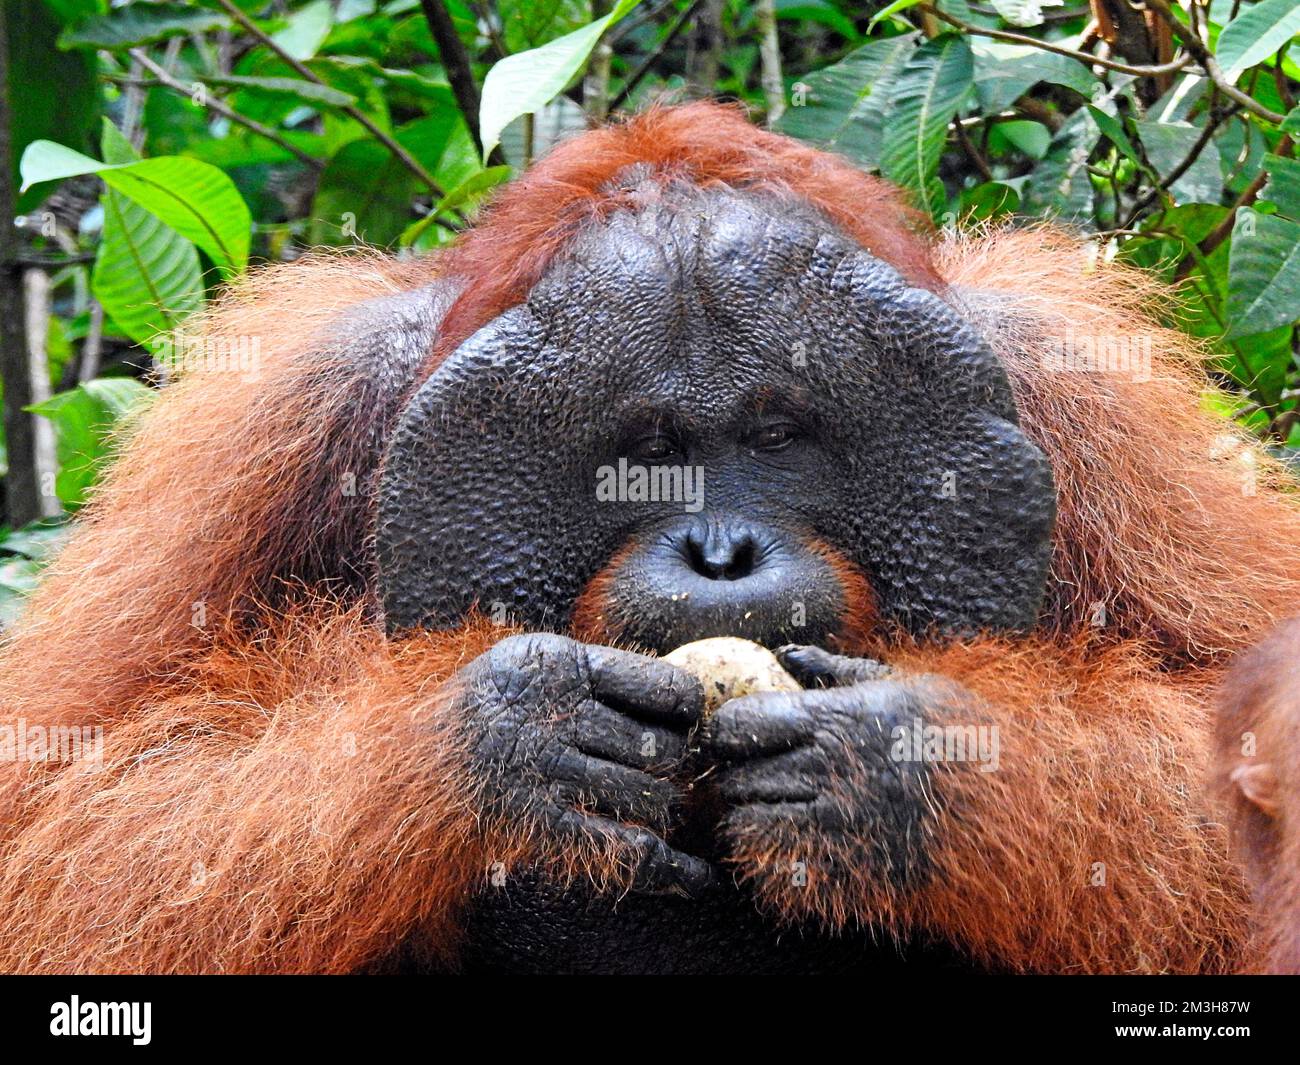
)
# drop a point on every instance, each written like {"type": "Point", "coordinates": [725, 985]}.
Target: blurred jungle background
{"type": "Point", "coordinates": [151, 151]}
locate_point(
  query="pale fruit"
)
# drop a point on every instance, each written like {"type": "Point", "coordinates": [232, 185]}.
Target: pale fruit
{"type": "Point", "coordinates": [729, 667]}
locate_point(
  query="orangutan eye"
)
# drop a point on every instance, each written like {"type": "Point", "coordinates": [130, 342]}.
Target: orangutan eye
{"type": "Point", "coordinates": [773, 437]}
{"type": "Point", "coordinates": [656, 448]}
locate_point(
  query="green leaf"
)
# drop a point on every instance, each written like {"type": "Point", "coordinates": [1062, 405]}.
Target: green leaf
{"type": "Point", "coordinates": [1263, 273]}
{"type": "Point", "coordinates": [307, 91]}
{"type": "Point", "coordinates": [528, 24]}
{"type": "Point", "coordinates": [84, 420]}
{"type": "Point", "coordinates": [890, 11]}
{"type": "Point", "coordinates": [1024, 12]}
{"type": "Point", "coordinates": [466, 193]}
{"type": "Point", "coordinates": [197, 200]}
{"type": "Point", "coordinates": [841, 107]}
{"type": "Point", "coordinates": [817, 11]}
{"type": "Point", "coordinates": [146, 275]}
{"type": "Point", "coordinates": [306, 31]}
{"type": "Point", "coordinates": [1059, 186]}
{"type": "Point", "coordinates": [136, 24]}
{"type": "Point", "coordinates": [1256, 34]}
{"type": "Point", "coordinates": [1167, 145]}
{"type": "Point", "coordinates": [1283, 188]}
{"type": "Point", "coordinates": [991, 199]}
{"type": "Point", "coordinates": [38, 541]}
{"type": "Point", "coordinates": [364, 194]}
{"type": "Point", "coordinates": [520, 84]}
{"type": "Point", "coordinates": [1005, 72]}
{"type": "Point", "coordinates": [926, 96]}
{"type": "Point", "coordinates": [1113, 129]}
{"type": "Point", "coordinates": [1031, 138]}
{"type": "Point", "coordinates": [1291, 124]}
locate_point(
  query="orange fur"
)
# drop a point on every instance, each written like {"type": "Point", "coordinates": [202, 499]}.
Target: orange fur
{"type": "Point", "coordinates": [1259, 730]}
{"type": "Point", "coordinates": [223, 737]}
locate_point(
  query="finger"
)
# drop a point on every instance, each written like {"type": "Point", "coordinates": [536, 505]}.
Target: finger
{"type": "Point", "coordinates": [608, 734]}
{"type": "Point", "coordinates": [814, 667]}
{"type": "Point", "coordinates": [762, 723]}
{"type": "Point", "coordinates": [657, 869]}
{"type": "Point", "coordinates": [791, 777]}
{"type": "Point", "coordinates": [609, 788]}
{"type": "Point", "coordinates": [645, 688]}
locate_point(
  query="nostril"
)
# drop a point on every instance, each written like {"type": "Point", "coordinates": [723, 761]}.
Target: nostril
{"type": "Point", "coordinates": [721, 555]}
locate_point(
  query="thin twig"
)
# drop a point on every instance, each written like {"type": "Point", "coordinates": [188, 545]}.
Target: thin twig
{"type": "Point", "coordinates": [455, 61]}
{"type": "Point", "coordinates": [1280, 79]}
{"type": "Point", "coordinates": [595, 83]}
{"type": "Point", "coordinates": [217, 107]}
{"type": "Point", "coordinates": [644, 68]}
{"type": "Point", "coordinates": [972, 153]}
{"type": "Point", "coordinates": [1217, 118]}
{"type": "Point", "coordinates": [1048, 46]}
{"type": "Point", "coordinates": [399, 153]}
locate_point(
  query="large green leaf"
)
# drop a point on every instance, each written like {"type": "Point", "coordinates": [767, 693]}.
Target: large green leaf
{"type": "Point", "coordinates": [1113, 128]}
{"type": "Point", "coordinates": [136, 24]}
{"type": "Point", "coordinates": [529, 23]}
{"type": "Point", "coordinates": [841, 107]}
{"type": "Point", "coordinates": [520, 84]}
{"type": "Point", "coordinates": [1167, 145]}
{"type": "Point", "coordinates": [84, 420]}
{"type": "Point", "coordinates": [928, 93]}
{"type": "Point", "coordinates": [1256, 34]}
{"type": "Point", "coordinates": [1283, 188]}
{"type": "Point", "coordinates": [1005, 72]}
{"type": "Point", "coordinates": [817, 11]}
{"type": "Point", "coordinates": [195, 199]}
{"type": "Point", "coordinates": [364, 194]}
{"type": "Point", "coordinates": [1263, 273]}
{"type": "Point", "coordinates": [146, 275]}
{"type": "Point", "coordinates": [306, 31]}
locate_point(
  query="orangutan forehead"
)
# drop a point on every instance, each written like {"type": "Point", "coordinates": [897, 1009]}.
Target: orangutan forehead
{"type": "Point", "coordinates": [693, 252]}
{"type": "Point", "coordinates": [712, 294]}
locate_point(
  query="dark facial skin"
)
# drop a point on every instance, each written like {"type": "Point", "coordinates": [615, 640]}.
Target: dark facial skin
{"type": "Point", "coordinates": [826, 402]}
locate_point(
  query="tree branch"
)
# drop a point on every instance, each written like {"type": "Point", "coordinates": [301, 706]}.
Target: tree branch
{"type": "Point", "coordinates": [1217, 117]}
{"type": "Point", "coordinates": [216, 106]}
{"type": "Point", "coordinates": [399, 153]}
{"type": "Point", "coordinates": [634, 79]}
{"type": "Point", "coordinates": [1048, 46]}
{"type": "Point", "coordinates": [1201, 52]}
{"type": "Point", "coordinates": [455, 61]}
{"type": "Point", "coordinates": [769, 54]}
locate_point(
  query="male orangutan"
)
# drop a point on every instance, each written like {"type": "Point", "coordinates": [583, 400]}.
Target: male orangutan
{"type": "Point", "coordinates": [377, 670]}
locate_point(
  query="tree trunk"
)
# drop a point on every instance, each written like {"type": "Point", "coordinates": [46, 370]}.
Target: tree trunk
{"type": "Point", "coordinates": [22, 482]}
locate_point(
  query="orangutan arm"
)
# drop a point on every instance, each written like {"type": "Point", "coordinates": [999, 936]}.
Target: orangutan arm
{"type": "Point", "coordinates": [1072, 839]}
{"type": "Point", "coordinates": [297, 811]}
